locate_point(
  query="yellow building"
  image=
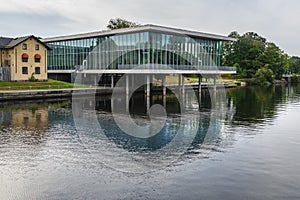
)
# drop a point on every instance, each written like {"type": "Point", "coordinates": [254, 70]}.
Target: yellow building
{"type": "Point", "coordinates": [22, 57]}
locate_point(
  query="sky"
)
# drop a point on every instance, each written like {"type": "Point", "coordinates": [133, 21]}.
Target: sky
{"type": "Point", "coordinates": [276, 20]}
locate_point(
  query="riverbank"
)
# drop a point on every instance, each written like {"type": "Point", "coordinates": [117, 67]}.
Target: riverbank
{"type": "Point", "coordinates": [50, 84]}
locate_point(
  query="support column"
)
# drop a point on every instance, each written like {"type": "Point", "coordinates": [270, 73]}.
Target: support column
{"type": "Point", "coordinates": [215, 83]}
{"type": "Point", "coordinates": [127, 84]}
{"type": "Point", "coordinates": [112, 104]}
{"type": "Point", "coordinates": [199, 83]}
{"type": "Point", "coordinates": [148, 92]}
{"type": "Point", "coordinates": [179, 81]}
{"type": "Point", "coordinates": [148, 86]}
{"type": "Point", "coordinates": [164, 85]}
{"type": "Point", "coordinates": [127, 103]}
{"type": "Point", "coordinates": [183, 86]}
{"type": "Point", "coordinates": [96, 80]}
{"type": "Point", "coordinates": [112, 81]}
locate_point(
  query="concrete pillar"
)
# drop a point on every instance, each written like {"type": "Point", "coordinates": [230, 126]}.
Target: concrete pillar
{"type": "Point", "coordinates": [179, 81]}
{"type": "Point", "coordinates": [96, 80]}
{"type": "Point", "coordinates": [148, 86]}
{"type": "Point", "coordinates": [164, 85]}
{"type": "Point", "coordinates": [112, 81]}
{"type": "Point", "coordinates": [199, 83]}
{"type": "Point", "coordinates": [215, 83]}
{"type": "Point", "coordinates": [148, 104]}
{"type": "Point", "coordinates": [183, 86]}
{"type": "Point", "coordinates": [127, 103]}
{"type": "Point", "coordinates": [112, 103]}
{"type": "Point", "coordinates": [127, 84]}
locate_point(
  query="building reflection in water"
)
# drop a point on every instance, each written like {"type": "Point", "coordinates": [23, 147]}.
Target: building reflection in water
{"type": "Point", "coordinates": [25, 125]}
{"type": "Point", "coordinates": [200, 117]}
{"type": "Point", "coordinates": [34, 119]}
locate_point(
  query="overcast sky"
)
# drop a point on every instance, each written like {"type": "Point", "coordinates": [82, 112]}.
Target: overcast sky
{"type": "Point", "coordinates": [277, 20]}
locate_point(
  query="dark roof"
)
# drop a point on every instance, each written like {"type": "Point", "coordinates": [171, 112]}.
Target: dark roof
{"type": "Point", "coordinates": [147, 27]}
{"type": "Point", "coordinates": [12, 42]}
{"type": "Point", "coordinates": [4, 41]}
{"type": "Point", "coordinates": [17, 41]}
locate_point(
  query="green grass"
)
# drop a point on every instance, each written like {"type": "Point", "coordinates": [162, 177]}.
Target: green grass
{"type": "Point", "coordinates": [171, 80]}
{"type": "Point", "coordinates": [35, 107]}
{"type": "Point", "coordinates": [50, 84]}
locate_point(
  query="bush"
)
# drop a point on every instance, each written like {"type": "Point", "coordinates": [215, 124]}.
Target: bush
{"type": "Point", "coordinates": [294, 78]}
{"type": "Point", "coordinates": [240, 72]}
{"type": "Point", "coordinates": [32, 78]}
{"type": "Point", "coordinates": [264, 77]}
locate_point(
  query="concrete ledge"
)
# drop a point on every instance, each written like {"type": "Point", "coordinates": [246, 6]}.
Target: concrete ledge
{"type": "Point", "coordinates": [82, 92]}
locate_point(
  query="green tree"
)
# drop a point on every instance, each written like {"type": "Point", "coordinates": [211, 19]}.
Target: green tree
{"type": "Point", "coordinates": [264, 76]}
{"type": "Point", "coordinates": [246, 52]}
{"type": "Point", "coordinates": [275, 59]}
{"type": "Point", "coordinates": [228, 50]}
{"type": "Point", "coordinates": [252, 52]}
{"type": "Point", "coordinates": [118, 23]}
{"type": "Point", "coordinates": [294, 64]}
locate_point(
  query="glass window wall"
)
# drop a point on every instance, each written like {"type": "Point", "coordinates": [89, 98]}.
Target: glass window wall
{"type": "Point", "coordinates": [126, 51]}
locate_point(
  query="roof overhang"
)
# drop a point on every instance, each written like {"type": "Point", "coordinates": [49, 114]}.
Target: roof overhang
{"type": "Point", "coordinates": [143, 28]}
{"type": "Point", "coordinates": [142, 71]}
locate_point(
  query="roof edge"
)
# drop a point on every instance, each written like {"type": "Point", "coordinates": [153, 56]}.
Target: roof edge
{"type": "Point", "coordinates": [141, 28]}
{"type": "Point", "coordinates": [22, 39]}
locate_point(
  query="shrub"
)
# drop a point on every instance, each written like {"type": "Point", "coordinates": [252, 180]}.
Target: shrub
{"type": "Point", "coordinates": [264, 77]}
{"type": "Point", "coordinates": [240, 72]}
{"type": "Point", "coordinates": [294, 78]}
{"type": "Point", "coordinates": [32, 78]}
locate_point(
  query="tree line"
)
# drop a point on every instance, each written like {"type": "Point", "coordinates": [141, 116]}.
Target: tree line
{"type": "Point", "coordinates": [257, 59]}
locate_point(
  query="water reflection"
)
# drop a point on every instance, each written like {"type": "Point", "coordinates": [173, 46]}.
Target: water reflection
{"type": "Point", "coordinates": [188, 125]}
{"type": "Point", "coordinates": [248, 105]}
{"type": "Point", "coordinates": [254, 105]}
{"type": "Point", "coordinates": [43, 156]}
{"type": "Point", "coordinates": [27, 122]}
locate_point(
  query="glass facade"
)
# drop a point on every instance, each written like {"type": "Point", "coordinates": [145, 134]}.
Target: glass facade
{"type": "Point", "coordinates": [150, 50]}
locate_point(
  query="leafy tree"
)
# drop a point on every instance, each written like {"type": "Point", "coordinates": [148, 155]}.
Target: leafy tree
{"type": "Point", "coordinates": [275, 59]}
{"type": "Point", "coordinates": [294, 65]}
{"type": "Point", "coordinates": [264, 76]}
{"type": "Point", "coordinates": [118, 23]}
{"type": "Point", "coordinates": [228, 49]}
{"type": "Point", "coordinates": [246, 51]}
{"type": "Point", "coordinates": [252, 52]}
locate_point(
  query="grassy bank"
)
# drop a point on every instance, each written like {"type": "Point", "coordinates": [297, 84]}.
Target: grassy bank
{"type": "Point", "coordinates": [189, 80]}
{"type": "Point", "coordinates": [50, 84]}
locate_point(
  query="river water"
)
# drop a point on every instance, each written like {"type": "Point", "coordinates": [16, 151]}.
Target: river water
{"type": "Point", "coordinates": [244, 146]}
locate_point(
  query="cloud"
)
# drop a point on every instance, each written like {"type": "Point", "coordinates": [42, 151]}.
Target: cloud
{"type": "Point", "coordinates": [276, 20]}
{"type": "Point", "coordinates": [20, 24]}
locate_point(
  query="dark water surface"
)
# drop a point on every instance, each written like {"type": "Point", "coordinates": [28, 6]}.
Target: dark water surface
{"type": "Point", "coordinates": [251, 150]}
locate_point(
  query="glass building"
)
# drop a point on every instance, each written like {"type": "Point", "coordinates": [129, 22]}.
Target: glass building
{"type": "Point", "coordinates": [155, 49]}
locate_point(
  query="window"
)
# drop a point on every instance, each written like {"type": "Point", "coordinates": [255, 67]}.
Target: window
{"type": "Point", "coordinates": [37, 70]}
{"type": "Point", "coordinates": [37, 47]}
{"type": "Point", "coordinates": [24, 70]}
{"type": "Point", "coordinates": [25, 57]}
{"type": "Point", "coordinates": [24, 46]}
{"type": "Point", "coordinates": [37, 58]}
